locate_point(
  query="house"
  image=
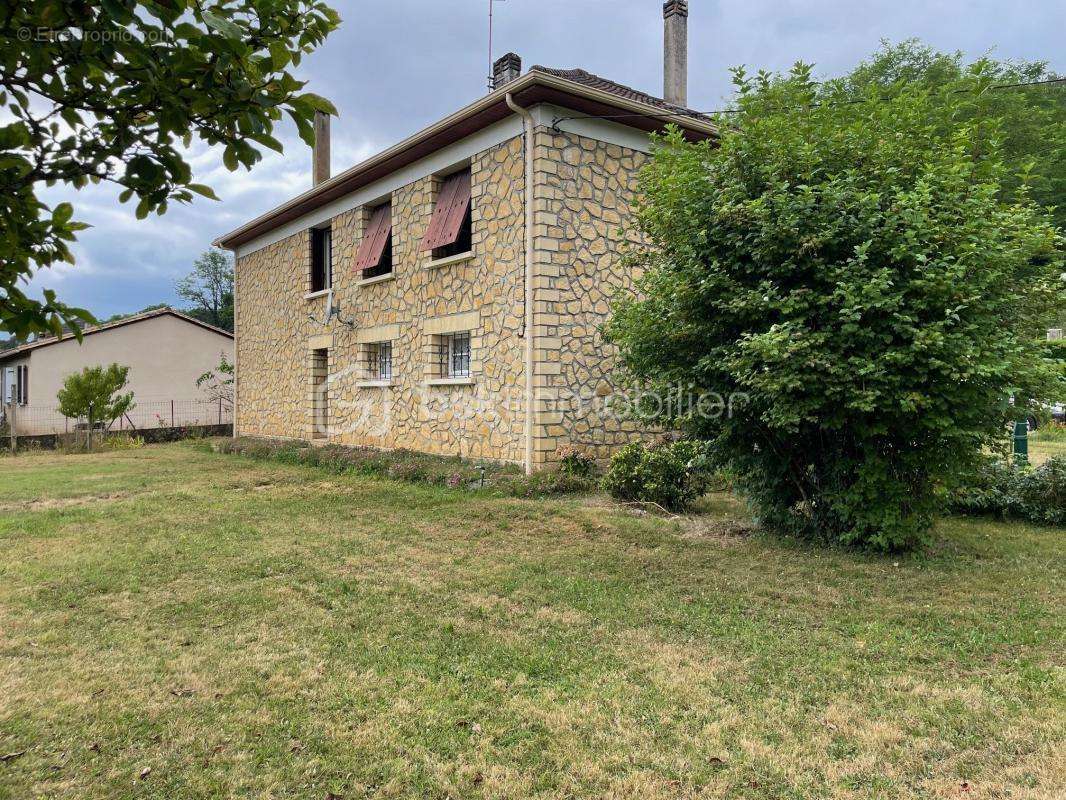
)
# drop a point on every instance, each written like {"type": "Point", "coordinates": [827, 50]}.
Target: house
{"type": "Point", "coordinates": [165, 350]}
{"type": "Point", "coordinates": [447, 294]}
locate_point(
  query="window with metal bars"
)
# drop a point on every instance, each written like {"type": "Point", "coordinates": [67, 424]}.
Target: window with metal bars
{"type": "Point", "coordinates": [379, 361]}
{"type": "Point", "coordinates": [453, 355]}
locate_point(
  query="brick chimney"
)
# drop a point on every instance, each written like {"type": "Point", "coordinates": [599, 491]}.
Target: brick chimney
{"type": "Point", "coordinates": [506, 69]}
{"type": "Point", "coordinates": [675, 52]}
{"type": "Point", "coordinates": [320, 152]}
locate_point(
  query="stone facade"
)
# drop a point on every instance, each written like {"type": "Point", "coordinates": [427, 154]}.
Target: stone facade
{"type": "Point", "coordinates": [583, 189]}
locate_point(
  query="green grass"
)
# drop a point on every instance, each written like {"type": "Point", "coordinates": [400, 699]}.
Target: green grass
{"type": "Point", "coordinates": [253, 629]}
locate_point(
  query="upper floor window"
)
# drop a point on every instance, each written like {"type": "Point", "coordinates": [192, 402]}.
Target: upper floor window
{"type": "Point", "coordinates": [321, 259]}
{"type": "Point", "coordinates": [449, 231]}
{"type": "Point", "coordinates": [375, 252]}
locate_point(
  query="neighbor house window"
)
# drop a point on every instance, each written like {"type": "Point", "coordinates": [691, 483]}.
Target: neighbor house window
{"type": "Point", "coordinates": [375, 252]}
{"type": "Point", "coordinates": [379, 361]}
{"type": "Point", "coordinates": [449, 231]}
{"type": "Point", "coordinates": [453, 355]}
{"type": "Point", "coordinates": [23, 385]}
{"type": "Point", "coordinates": [321, 259]}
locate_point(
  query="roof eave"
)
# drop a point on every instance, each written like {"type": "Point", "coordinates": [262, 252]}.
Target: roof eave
{"type": "Point", "coordinates": [533, 87]}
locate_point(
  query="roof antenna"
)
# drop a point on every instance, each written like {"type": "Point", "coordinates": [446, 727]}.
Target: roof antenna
{"type": "Point", "coordinates": [490, 40]}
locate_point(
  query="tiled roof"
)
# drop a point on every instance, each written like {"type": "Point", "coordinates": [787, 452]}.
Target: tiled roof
{"type": "Point", "coordinates": [155, 312]}
{"type": "Point", "coordinates": [621, 90]}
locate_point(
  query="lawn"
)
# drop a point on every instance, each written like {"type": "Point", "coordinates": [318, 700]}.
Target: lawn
{"type": "Point", "coordinates": [180, 624]}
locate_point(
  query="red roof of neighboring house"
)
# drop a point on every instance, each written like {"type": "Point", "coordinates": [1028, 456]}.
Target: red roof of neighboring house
{"type": "Point", "coordinates": [6, 355]}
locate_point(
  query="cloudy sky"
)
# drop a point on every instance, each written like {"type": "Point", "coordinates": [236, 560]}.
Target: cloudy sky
{"type": "Point", "coordinates": [394, 67]}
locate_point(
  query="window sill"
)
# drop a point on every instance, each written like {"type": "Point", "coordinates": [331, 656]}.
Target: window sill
{"type": "Point", "coordinates": [388, 276]}
{"type": "Point", "coordinates": [458, 258]}
{"type": "Point", "coordinates": [316, 295]}
{"type": "Point", "coordinates": [468, 381]}
{"type": "Point", "coordinates": [373, 384]}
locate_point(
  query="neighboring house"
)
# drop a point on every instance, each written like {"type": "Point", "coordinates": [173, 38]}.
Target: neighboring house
{"type": "Point", "coordinates": [165, 350]}
{"type": "Point", "coordinates": [447, 294]}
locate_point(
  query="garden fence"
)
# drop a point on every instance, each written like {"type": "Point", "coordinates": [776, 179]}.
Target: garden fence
{"type": "Point", "coordinates": [38, 420]}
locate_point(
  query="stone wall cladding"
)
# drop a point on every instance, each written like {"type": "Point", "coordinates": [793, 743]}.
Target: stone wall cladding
{"type": "Point", "coordinates": [585, 190]}
{"type": "Point", "coordinates": [275, 336]}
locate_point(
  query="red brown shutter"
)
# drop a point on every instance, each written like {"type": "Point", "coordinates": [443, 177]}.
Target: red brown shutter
{"type": "Point", "coordinates": [377, 234]}
{"type": "Point", "coordinates": [454, 193]}
{"type": "Point", "coordinates": [460, 204]}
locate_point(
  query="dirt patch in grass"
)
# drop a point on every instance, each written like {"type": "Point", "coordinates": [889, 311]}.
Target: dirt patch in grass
{"type": "Point", "coordinates": [52, 503]}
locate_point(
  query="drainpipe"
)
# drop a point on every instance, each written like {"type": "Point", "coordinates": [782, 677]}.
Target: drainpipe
{"type": "Point", "coordinates": [528, 282]}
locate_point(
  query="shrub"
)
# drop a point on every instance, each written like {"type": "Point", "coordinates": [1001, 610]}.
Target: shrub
{"type": "Point", "coordinates": [575, 462]}
{"type": "Point", "coordinates": [989, 489]}
{"type": "Point", "coordinates": [670, 475]}
{"type": "Point", "coordinates": [1000, 488]}
{"type": "Point", "coordinates": [1042, 493]}
{"type": "Point", "coordinates": [809, 292]}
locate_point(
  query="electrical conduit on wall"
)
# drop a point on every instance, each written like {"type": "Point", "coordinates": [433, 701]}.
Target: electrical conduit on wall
{"type": "Point", "coordinates": [527, 197]}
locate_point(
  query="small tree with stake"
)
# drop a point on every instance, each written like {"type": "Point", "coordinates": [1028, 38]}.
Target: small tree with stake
{"type": "Point", "coordinates": [95, 393]}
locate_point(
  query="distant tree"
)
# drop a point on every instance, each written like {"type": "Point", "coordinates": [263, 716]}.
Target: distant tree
{"type": "Point", "coordinates": [94, 393]}
{"type": "Point", "coordinates": [1031, 119]}
{"type": "Point", "coordinates": [209, 287]}
{"type": "Point", "coordinates": [860, 274]}
{"type": "Point", "coordinates": [117, 90]}
{"type": "Point", "coordinates": [217, 384]}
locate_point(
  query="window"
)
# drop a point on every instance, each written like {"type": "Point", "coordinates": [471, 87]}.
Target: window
{"type": "Point", "coordinates": [449, 232]}
{"type": "Point", "coordinates": [453, 355]}
{"type": "Point", "coordinates": [321, 259]}
{"type": "Point", "coordinates": [375, 253]}
{"type": "Point", "coordinates": [9, 385]}
{"type": "Point", "coordinates": [23, 388]}
{"type": "Point", "coordinates": [379, 361]}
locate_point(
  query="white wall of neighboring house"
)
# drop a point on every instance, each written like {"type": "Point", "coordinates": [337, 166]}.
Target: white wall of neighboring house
{"type": "Point", "coordinates": [166, 354]}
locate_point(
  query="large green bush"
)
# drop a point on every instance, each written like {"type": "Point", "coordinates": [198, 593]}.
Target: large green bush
{"type": "Point", "coordinates": [671, 475]}
{"type": "Point", "coordinates": [843, 269]}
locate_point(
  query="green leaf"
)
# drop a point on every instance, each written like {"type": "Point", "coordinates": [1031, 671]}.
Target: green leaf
{"type": "Point", "coordinates": [201, 189]}
{"type": "Point", "coordinates": [222, 25]}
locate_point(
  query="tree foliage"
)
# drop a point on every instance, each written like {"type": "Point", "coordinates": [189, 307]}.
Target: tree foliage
{"type": "Point", "coordinates": [865, 281]}
{"type": "Point", "coordinates": [209, 287]}
{"type": "Point", "coordinates": [1031, 112]}
{"type": "Point", "coordinates": [95, 393]}
{"type": "Point", "coordinates": [218, 383]}
{"type": "Point", "coordinates": [117, 90]}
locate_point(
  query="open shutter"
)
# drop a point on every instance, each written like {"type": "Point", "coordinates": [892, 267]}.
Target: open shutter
{"type": "Point", "coordinates": [455, 191]}
{"type": "Point", "coordinates": [460, 205]}
{"type": "Point", "coordinates": [377, 234]}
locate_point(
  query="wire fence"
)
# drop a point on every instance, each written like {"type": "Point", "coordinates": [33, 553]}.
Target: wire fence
{"type": "Point", "coordinates": [37, 420]}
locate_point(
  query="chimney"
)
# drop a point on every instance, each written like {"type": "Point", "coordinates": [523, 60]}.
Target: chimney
{"type": "Point", "coordinates": [506, 69]}
{"type": "Point", "coordinates": [320, 152]}
{"type": "Point", "coordinates": [675, 52]}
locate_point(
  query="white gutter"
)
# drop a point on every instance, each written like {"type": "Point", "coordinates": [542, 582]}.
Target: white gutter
{"type": "Point", "coordinates": [528, 301]}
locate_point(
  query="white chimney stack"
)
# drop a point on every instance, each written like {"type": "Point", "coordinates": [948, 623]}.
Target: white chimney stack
{"type": "Point", "coordinates": [675, 52]}
{"type": "Point", "coordinates": [320, 152]}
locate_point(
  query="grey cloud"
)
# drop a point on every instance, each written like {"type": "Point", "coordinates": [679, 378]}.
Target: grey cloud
{"type": "Point", "coordinates": [395, 67]}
